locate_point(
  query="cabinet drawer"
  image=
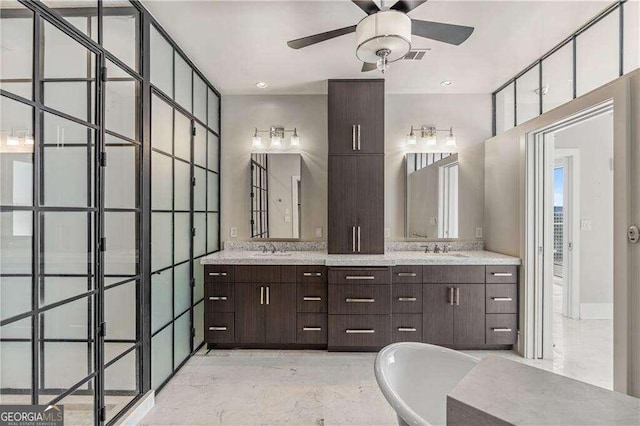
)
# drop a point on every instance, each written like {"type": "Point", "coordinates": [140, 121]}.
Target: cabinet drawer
{"type": "Point", "coordinates": [453, 274]}
{"type": "Point", "coordinates": [406, 274]}
{"type": "Point", "coordinates": [218, 273]}
{"type": "Point", "coordinates": [311, 274]}
{"type": "Point", "coordinates": [406, 298]}
{"type": "Point", "coordinates": [219, 297]}
{"type": "Point", "coordinates": [502, 329]}
{"type": "Point", "coordinates": [312, 297]}
{"type": "Point", "coordinates": [359, 276]}
{"type": "Point", "coordinates": [502, 298]}
{"type": "Point", "coordinates": [312, 329]}
{"type": "Point", "coordinates": [406, 327]}
{"type": "Point", "coordinates": [219, 328]}
{"type": "Point", "coordinates": [502, 274]}
{"type": "Point", "coordinates": [359, 299]}
{"type": "Point", "coordinates": [265, 274]}
{"type": "Point", "coordinates": [359, 330]}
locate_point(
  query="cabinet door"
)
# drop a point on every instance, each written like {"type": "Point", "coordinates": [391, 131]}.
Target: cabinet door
{"type": "Point", "coordinates": [250, 313]}
{"type": "Point", "coordinates": [469, 315]}
{"type": "Point", "coordinates": [437, 314]}
{"type": "Point", "coordinates": [342, 204]}
{"type": "Point", "coordinates": [356, 106]}
{"type": "Point", "coordinates": [370, 204]}
{"type": "Point", "coordinates": [280, 310]}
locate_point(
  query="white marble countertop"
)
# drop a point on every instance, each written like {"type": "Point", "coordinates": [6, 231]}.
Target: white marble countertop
{"type": "Point", "coordinates": [392, 258]}
{"type": "Point", "coordinates": [502, 391]}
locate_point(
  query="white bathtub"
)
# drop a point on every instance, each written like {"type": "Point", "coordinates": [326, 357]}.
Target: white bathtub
{"type": "Point", "coordinates": [415, 378]}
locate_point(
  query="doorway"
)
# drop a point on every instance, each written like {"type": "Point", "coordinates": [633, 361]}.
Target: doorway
{"type": "Point", "coordinates": [573, 228]}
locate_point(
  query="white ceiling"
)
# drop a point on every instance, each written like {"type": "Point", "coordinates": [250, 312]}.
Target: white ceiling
{"type": "Point", "coordinates": [238, 43]}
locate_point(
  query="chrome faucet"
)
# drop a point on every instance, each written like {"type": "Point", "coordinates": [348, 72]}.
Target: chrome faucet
{"type": "Point", "coordinates": [445, 248]}
{"type": "Point", "coordinates": [273, 247]}
{"type": "Point", "coordinates": [426, 249]}
{"type": "Point", "coordinates": [436, 249]}
{"type": "Point", "coordinates": [263, 248]}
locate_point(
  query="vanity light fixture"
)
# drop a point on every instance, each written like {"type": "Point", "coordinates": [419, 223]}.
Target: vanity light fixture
{"type": "Point", "coordinates": [428, 136]}
{"type": "Point", "coordinates": [12, 139]}
{"type": "Point", "coordinates": [446, 83]}
{"type": "Point", "coordinates": [276, 135]}
{"type": "Point", "coordinates": [261, 85]}
{"type": "Point", "coordinates": [28, 139]}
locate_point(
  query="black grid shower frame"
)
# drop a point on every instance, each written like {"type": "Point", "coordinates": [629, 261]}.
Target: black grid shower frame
{"type": "Point", "coordinates": [572, 39]}
{"type": "Point", "coordinates": [259, 196]}
{"type": "Point", "coordinates": [95, 293]}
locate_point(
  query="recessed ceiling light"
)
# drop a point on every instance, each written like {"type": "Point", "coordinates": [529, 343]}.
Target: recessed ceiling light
{"type": "Point", "coordinates": [445, 83]}
{"type": "Point", "coordinates": [261, 85]}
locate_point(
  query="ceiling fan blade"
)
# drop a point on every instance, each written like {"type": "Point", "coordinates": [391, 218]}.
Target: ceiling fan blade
{"type": "Point", "coordinates": [367, 66]}
{"type": "Point", "coordinates": [317, 38]}
{"type": "Point", "coordinates": [446, 33]}
{"type": "Point", "coordinates": [407, 6]}
{"type": "Point", "coordinates": [368, 6]}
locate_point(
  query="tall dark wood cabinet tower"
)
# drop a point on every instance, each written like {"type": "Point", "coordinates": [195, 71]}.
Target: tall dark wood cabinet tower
{"type": "Point", "coordinates": [356, 167]}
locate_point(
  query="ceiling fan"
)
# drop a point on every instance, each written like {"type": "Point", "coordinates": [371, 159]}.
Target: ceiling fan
{"type": "Point", "coordinates": [384, 36]}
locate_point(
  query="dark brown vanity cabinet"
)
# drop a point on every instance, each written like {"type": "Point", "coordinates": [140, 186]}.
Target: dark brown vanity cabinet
{"type": "Point", "coordinates": [356, 116]}
{"type": "Point", "coordinates": [356, 167]}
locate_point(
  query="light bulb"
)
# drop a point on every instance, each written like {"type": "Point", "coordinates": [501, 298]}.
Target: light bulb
{"type": "Point", "coordinates": [295, 139]}
{"type": "Point", "coordinates": [12, 140]}
{"type": "Point", "coordinates": [28, 140]}
{"type": "Point", "coordinates": [411, 138]}
{"type": "Point", "coordinates": [276, 142]}
{"type": "Point", "coordinates": [256, 141]}
{"type": "Point", "coordinates": [451, 138]}
{"type": "Point", "coordinates": [431, 140]}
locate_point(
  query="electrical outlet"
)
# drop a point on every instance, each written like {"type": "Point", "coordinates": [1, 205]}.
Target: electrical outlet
{"type": "Point", "coordinates": [233, 232]}
{"type": "Point", "coordinates": [319, 232]}
{"type": "Point", "coordinates": [478, 232]}
{"type": "Point", "coordinates": [387, 232]}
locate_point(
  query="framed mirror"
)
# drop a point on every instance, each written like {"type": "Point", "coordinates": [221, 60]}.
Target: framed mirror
{"type": "Point", "coordinates": [275, 196]}
{"type": "Point", "coordinates": [432, 195]}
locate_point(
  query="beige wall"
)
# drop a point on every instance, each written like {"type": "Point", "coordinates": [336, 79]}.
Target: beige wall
{"type": "Point", "coordinates": [505, 210]}
{"type": "Point", "coordinates": [470, 115]}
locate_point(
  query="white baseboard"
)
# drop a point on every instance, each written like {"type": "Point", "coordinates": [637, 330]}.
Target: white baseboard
{"type": "Point", "coordinates": [138, 411]}
{"type": "Point", "coordinates": [596, 311]}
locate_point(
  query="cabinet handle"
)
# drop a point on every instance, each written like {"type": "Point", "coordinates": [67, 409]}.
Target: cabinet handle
{"type": "Point", "coordinates": [311, 299]}
{"type": "Point", "coordinates": [359, 300]}
{"type": "Point", "coordinates": [262, 295]}
{"type": "Point", "coordinates": [218, 298]}
{"type": "Point", "coordinates": [450, 300]}
{"type": "Point", "coordinates": [407, 299]}
{"type": "Point", "coordinates": [359, 277]}
{"type": "Point", "coordinates": [358, 137]}
{"type": "Point", "coordinates": [407, 274]}
{"type": "Point", "coordinates": [217, 274]}
{"type": "Point", "coordinates": [359, 331]}
{"type": "Point", "coordinates": [311, 328]}
{"type": "Point", "coordinates": [217, 328]}
{"type": "Point", "coordinates": [406, 329]}
{"type": "Point", "coordinates": [268, 295]}
{"type": "Point", "coordinates": [312, 274]}
{"type": "Point", "coordinates": [353, 239]}
{"type": "Point", "coordinates": [353, 137]}
{"type": "Point", "coordinates": [502, 299]}
{"type": "Point", "coordinates": [358, 239]}
{"type": "Point", "coordinates": [457, 296]}
{"type": "Point", "coordinates": [502, 274]}
{"type": "Point", "coordinates": [500, 329]}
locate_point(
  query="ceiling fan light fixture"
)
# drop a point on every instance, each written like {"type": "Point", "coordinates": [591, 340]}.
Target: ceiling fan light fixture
{"type": "Point", "coordinates": [389, 30]}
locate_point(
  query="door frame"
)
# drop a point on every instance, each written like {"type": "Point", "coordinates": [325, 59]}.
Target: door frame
{"type": "Point", "coordinates": [571, 231]}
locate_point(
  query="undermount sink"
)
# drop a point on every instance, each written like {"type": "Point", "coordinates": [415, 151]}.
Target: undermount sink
{"type": "Point", "coordinates": [448, 254]}
{"type": "Point", "coordinates": [277, 254]}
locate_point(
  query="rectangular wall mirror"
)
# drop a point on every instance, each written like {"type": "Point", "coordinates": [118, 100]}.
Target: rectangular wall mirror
{"type": "Point", "coordinates": [432, 195]}
{"type": "Point", "coordinates": [275, 196]}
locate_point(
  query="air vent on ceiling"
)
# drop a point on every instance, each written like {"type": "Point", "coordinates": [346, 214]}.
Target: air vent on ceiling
{"type": "Point", "coordinates": [415, 54]}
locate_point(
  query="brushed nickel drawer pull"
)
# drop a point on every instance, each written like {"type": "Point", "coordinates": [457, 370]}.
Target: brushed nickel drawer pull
{"type": "Point", "coordinates": [451, 291]}
{"type": "Point", "coordinates": [360, 277]}
{"type": "Point", "coordinates": [359, 300]}
{"type": "Point", "coordinates": [502, 299]}
{"type": "Point", "coordinates": [312, 274]}
{"type": "Point", "coordinates": [217, 274]}
{"type": "Point", "coordinates": [353, 137]}
{"type": "Point", "coordinates": [502, 274]}
{"type": "Point", "coordinates": [358, 137]}
{"type": "Point", "coordinates": [217, 328]}
{"type": "Point", "coordinates": [407, 299]}
{"type": "Point", "coordinates": [312, 299]}
{"type": "Point", "coordinates": [407, 329]}
{"type": "Point", "coordinates": [407, 274]}
{"type": "Point", "coordinates": [311, 328]}
{"type": "Point", "coordinates": [359, 331]}
{"type": "Point", "coordinates": [218, 298]}
{"type": "Point", "coordinates": [500, 329]}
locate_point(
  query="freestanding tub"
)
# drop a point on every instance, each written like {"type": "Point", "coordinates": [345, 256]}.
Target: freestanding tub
{"type": "Point", "coordinates": [416, 377]}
